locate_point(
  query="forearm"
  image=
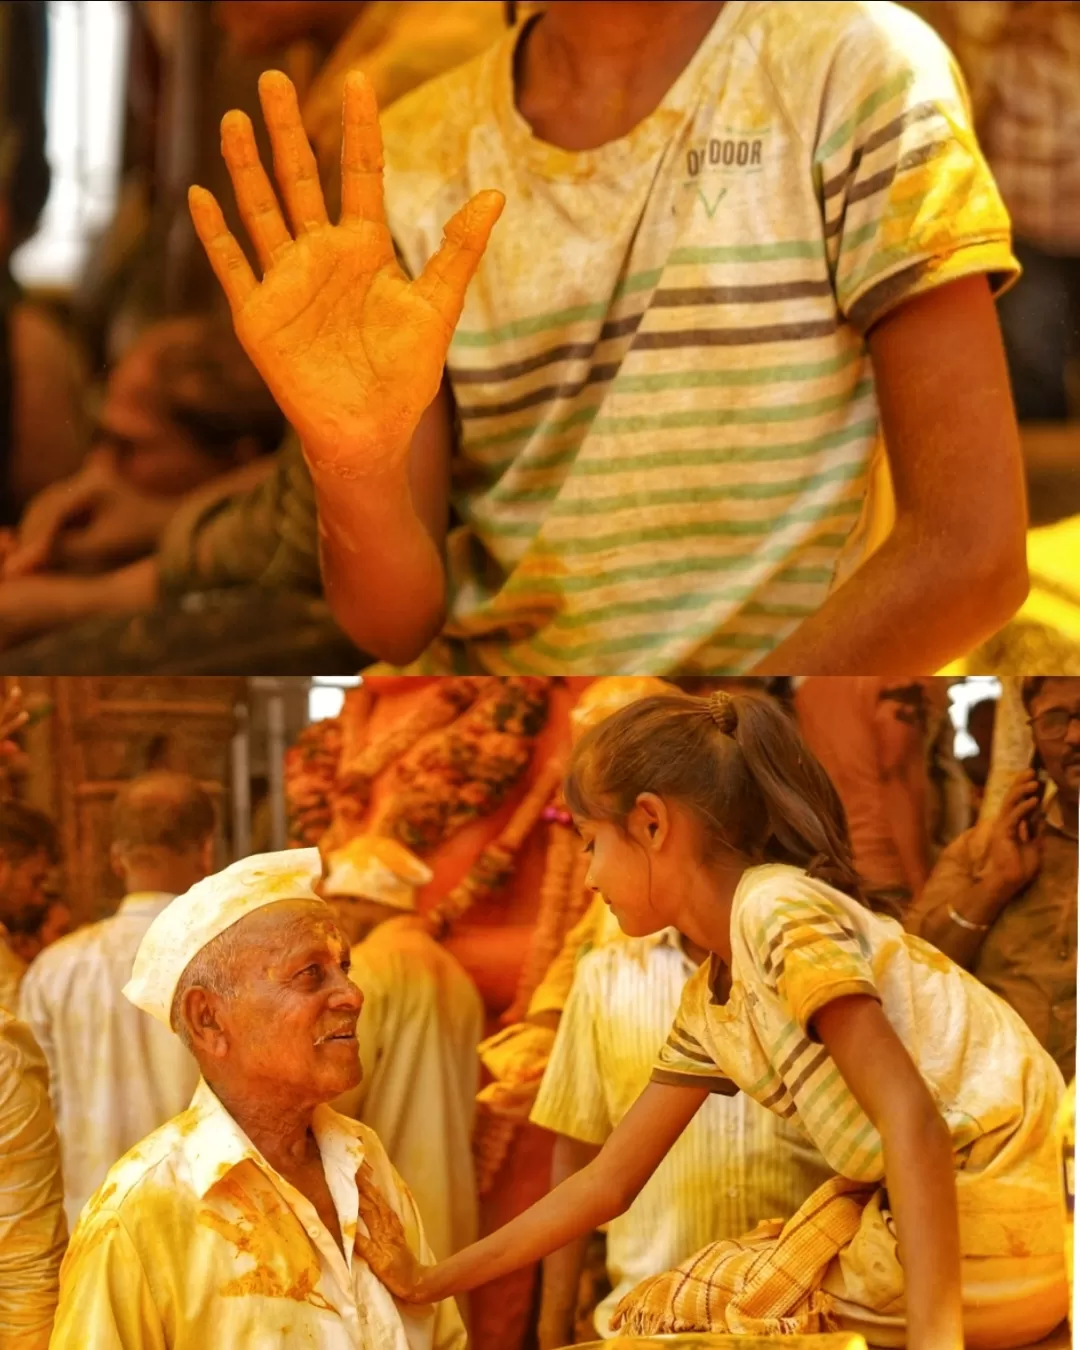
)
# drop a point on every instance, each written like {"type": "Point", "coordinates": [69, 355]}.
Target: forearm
{"type": "Point", "coordinates": [575, 1209]}
{"type": "Point", "coordinates": [382, 573]}
{"type": "Point", "coordinates": [922, 1197]}
{"type": "Point", "coordinates": [562, 1269]}
{"type": "Point", "coordinates": [979, 902]}
{"type": "Point", "coordinates": [917, 604]}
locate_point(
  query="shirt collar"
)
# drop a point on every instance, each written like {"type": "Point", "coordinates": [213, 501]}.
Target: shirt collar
{"type": "Point", "coordinates": [145, 902]}
{"type": "Point", "coordinates": [213, 1143]}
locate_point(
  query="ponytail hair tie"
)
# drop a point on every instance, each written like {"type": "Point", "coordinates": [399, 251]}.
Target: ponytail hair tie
{"type": "Point", "coordinates": [723, 712]}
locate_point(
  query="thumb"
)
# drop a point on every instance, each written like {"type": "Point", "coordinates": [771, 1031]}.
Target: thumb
{"type": "Point", "coordinates": [446, 278]}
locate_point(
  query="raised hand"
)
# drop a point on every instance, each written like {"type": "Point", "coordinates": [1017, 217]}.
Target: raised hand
{"type": "Point", "coordinates": [350, 348]}
{"type": "Point", "coordinates": [386, 1249]}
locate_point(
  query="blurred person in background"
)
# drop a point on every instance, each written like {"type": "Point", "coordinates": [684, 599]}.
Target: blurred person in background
{"type": "Point", "coordinates": [29, 849]}
{"type": "Point", "coordinates": [41, 377]}
{"type": "Point", "coordinates": [1022, 63]}
{"type": "Point", "coordinates": [183, 408]}
{"type": "Point", "coordinates": [980, 725]}
{"type": "Point", "coordinates": [1002, 900]}
{"type": "Point", "coordinates": [200, 601]}
{"type": "Point", "coordinates": [55, 923]}
{"type": "Point", "coordinates": [115, 1074]}
{"type": "Point", "coordinates": [870, 733]}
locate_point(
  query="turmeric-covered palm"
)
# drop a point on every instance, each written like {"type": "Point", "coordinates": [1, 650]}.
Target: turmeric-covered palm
{"type": "Point", "coordinates": [351, 349]}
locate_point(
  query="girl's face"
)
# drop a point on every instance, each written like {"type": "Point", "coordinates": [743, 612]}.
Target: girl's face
{"type": "Point", "coordinates": [620, 870]}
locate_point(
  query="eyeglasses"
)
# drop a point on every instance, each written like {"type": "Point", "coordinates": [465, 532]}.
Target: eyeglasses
{"type": "Point", "coordinates": [1054, 724]}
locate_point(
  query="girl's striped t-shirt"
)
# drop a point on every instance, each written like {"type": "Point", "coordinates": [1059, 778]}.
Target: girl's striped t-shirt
{"type": "Point", "coordinates": [798, 945]}
{"type": "Point", "coordinates": [666, 408]}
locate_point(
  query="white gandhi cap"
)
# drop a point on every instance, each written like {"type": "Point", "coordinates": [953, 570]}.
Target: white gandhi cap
{"type": "Point", "coordinates": [188, 923]}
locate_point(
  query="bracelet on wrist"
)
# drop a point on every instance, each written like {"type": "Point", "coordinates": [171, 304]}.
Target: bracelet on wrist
{"type": "Point", "coordinates": [966, 924]}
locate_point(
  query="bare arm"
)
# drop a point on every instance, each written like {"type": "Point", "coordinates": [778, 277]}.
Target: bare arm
{"type": "Point", "coordinates": [598, 1193]}
{"type": "Point", "coordinates": [919, 1169]}
{"type": "Point", "coordinates": [977, 890]}
{"type": "Point", "coordinates": [38, 604]}
{"type": "Point", "coordinates": [562, 1269]}
{"type": "Point", "coordinates": [953, 571]}
{"type": "Point", "coordinates": [354, 352]}
{"type": "Point", "coordinates": [368, 537]}
{"type": "Point", "coordinates": [898, 736]}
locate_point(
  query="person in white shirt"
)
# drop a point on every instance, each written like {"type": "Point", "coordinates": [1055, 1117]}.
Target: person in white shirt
{"type": "Point", "coordinates": [419, 1035]}
{"type": "Point", "coordinates": [237, 1223]}
{"type": "Point", "coordinates": [114, 1073]}
{"type": "Point", "coordinates": [735, 1164]}
{"type": "Point", "coordinates": [29, 849]}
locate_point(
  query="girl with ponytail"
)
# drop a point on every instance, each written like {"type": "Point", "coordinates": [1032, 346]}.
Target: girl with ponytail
{"type": "Point", "coordinates": [928, 1096]}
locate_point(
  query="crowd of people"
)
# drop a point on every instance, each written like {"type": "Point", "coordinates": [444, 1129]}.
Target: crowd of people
{"type": "Point", "coordinates": [805, 973]}
{"type": "Point", "coordinates": [568, 471]}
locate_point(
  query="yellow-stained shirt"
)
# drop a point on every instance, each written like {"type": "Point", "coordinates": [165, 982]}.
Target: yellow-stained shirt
{"type": "Point", "coordinates": [667, 414]}
{"type": "Point", "coordinates": [797, 945]}
{"type": "Point", "coordinates": [418, 1035]}
{"type": "Point", "coordinates": [195, 1241]}
{"type": "Point", "coordinates": [734, 1165]}
{"type": "Point", "coordinates": [12, 970]}
{"type": "Point", "coordinates": [32, 1227]}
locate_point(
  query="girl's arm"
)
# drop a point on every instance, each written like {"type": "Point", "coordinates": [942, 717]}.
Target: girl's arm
{"type": "Point", "coordinates": [598, 1193]}
{"type": "Point", "coordinates": [919, 1171]}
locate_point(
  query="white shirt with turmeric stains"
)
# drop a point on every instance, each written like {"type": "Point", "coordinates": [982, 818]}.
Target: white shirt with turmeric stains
{"type": "Point", "coordinates": [32, 1228]}
{"type": "Point", "coordinates": [195, 1241]}
{"type": "Point", "coordinates": [115, 1074]}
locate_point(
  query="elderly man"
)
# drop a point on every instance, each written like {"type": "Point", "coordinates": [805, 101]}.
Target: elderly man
{"type": "Point", "coordinates": [114, 1073]}
{"type": "Point", "coordinates": [1002, 899]}
{"type": "Point", "coordinates": [235, 1224]}
{"type": "Point", "coordinates": [419, 1035]}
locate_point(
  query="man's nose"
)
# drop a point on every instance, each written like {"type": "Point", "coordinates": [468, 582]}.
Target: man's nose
{"type": "Point", "coordinates": [347, 994]}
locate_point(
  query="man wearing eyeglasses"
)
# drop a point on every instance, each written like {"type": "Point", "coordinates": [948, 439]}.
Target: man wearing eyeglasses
{"type": "Point", "coordinates": [1002, 899]}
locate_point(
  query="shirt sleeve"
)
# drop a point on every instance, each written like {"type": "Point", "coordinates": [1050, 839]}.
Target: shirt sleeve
{"type": "Point", "coordinates": [572, 1100]}
{"type": "Point", "coordinates": [266, 536]}
{"type": "Point", "coordinates": [33, 1230]}
{"type": "Point", "coordinates": [908, 200]}
{"type": "Point", "coordinates": [804, 950]}
{"type": "Point", "coordinates": [683, 1060]}
{"type": "Point", "coordinates": [105, 1298]}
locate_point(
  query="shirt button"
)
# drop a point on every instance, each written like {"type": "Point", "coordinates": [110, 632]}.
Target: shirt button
{"type": "Point", "coordinates": [733, 1193]}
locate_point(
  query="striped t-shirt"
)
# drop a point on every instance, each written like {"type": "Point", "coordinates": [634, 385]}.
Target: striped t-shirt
{"type": "Point", "coordinates": [666, 409]}
{"type": "Point", "coordinates": [797, 945]}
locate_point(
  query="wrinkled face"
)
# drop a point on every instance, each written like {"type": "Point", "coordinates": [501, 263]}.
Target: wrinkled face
{"type": "Point", "coordinates": [1059, 743]}
{"type": "Point", "coordinates": [632, 879]}
{"type": "Point", "coordinates": [147, 450]}
{"type": "Point", "coordinates": [23, 899]}
{"type": "Point", "coordinates": [292, 1024]}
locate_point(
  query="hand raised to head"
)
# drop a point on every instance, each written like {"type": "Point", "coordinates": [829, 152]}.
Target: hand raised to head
{"type": "Point", "coordinates": [350, 348]}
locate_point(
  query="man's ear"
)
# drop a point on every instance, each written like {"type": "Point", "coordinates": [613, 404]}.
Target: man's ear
{"type": "Point", "coordinates": [200, 1010]}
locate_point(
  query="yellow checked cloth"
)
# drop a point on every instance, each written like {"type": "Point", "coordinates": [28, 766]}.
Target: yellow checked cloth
{"type": "Point", "coordinates": [767, 1283]}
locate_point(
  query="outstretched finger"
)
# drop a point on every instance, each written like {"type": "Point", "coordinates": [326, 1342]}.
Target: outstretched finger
{"type": "Point", "coordinates": [446, 278]}
{"type": "Point", "coordinates": [226, 256]}
{"type": "Point", "coordinates": [255, 198]}
{"type": "Point", "coordinates": [361, 153]}
{"type": "Point", "coordinates": [295, 168]}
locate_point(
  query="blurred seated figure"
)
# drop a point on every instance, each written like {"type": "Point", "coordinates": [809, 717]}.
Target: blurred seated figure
{"type": "Point", "coordinates": [184, 407]}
